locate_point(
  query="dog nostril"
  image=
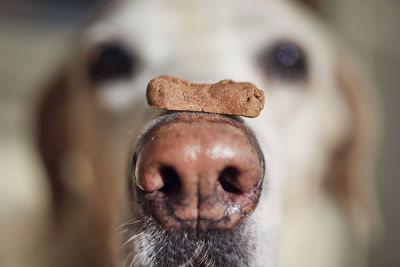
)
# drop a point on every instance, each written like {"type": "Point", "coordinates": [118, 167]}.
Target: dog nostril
{"type": "Point", "coordinates": [228, 178]}
{"type": "Point", "coordinates": [170, 179]}
{"type": "Point", "coordinates": [211, 186]}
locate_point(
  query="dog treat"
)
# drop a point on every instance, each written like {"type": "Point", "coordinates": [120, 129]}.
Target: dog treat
{"type": "Point", "coordinates": [225, 97]}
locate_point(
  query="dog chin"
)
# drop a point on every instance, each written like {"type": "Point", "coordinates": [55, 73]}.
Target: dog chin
{"type": "Point", "coordinates": [152, 245]}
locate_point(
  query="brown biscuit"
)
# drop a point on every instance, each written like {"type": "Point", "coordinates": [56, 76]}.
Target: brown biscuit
{"type": "Point", "coordinates": [225, 97]}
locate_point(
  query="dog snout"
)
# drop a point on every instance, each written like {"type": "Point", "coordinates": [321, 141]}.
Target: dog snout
{"type": "Point", "coordinates": [199, 171]}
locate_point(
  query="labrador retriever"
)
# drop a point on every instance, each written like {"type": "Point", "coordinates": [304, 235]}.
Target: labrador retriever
{"type": "Point", "coordinates": [135, 186]}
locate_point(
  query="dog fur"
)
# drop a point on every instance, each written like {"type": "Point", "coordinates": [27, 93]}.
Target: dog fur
{"type": "Point", "coordinates": [317, 134]}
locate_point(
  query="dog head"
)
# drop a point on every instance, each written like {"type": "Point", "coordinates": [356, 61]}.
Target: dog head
{"type": "Point", "coordinates": [315, 133]}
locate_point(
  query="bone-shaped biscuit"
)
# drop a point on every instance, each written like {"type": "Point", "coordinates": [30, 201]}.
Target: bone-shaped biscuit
{"type": "Point", "coordinates": [224, 97]}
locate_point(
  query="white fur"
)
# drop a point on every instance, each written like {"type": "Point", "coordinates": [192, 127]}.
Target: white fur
{"type": "Point", "coordinates": [297, 222]}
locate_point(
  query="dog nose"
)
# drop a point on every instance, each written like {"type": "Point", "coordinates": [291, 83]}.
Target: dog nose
{"type": "Point", "coordinates": [199, 171]}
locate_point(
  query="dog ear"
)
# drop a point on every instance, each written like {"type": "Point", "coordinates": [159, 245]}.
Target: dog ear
{"type": "Point", "coordinates": [51, 133]}
{"type": "Point", "coordinates": [58, 137]}
{"type": "Point", "coordinates": [353, 167]}
{"type": "Point", "coordinates": [80, 207]}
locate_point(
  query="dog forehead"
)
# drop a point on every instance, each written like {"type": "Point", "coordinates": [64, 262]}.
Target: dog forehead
{"type": "Point", "coordinates": [207, 31]}
{"type": "Point", "coordinates": [206, 41]}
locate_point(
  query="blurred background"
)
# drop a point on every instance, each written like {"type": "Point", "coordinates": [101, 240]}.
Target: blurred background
{"type": "Point", "coordinates": [37, 35]}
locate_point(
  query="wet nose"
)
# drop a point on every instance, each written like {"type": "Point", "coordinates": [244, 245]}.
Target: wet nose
{"type": "Point", "coordinates": [199, 171]}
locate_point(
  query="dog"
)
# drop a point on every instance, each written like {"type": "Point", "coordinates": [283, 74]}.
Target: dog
{"type": "Point", "coordinates": [316, 139]}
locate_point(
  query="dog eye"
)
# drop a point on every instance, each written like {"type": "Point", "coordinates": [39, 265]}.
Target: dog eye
{"type": "Point", "coordinates": [111, 62]}
{"type": "Point", "coordinates": [284, 61]}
